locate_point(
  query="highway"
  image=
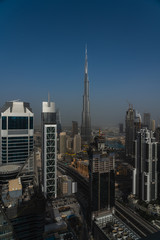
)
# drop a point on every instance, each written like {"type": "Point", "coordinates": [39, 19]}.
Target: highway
{"type": "Point", "coordinates": [140, 225]}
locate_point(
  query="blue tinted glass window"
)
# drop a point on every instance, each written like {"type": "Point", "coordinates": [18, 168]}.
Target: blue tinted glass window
{"type": "Point", "coordinates": [31, 122]}
{"type": "Point", "coordinates": [17, 122]}
{"type": "Point", "coordinates": [4, 123]}
{"type": "Point", "coordinates": [15, 138]}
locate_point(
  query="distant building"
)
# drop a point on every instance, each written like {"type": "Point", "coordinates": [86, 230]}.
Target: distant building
{"type": "Point", "coordinates": [77, 143]}
{"type": "Point", "coordinates": [120, 127]}
{"type": "Point", "coordinates": [74, 128]}
{"type": "Point", "coordinates": [49, 149]}
{"type": "Point", "coordinates": [16, 134]}
{"type": "Point", "coordinates": [100, 143]}
{"type": "Point", "coordinates": [145, 171]}
{"type": "Point", "coordinates": [66, 185]}
{"type": "Point", "coordinates": [157, 134]}
{"type": "Point", "coordinates": [129, 132]}
{"type": "Point", "coordinates": [133, 125]}
{"type": "Point", "coordinates": [63, 139]}
{"type": "Point", "coordinates": [69, 143]}
{"type": "Point", "coordinates": [147, 120]}
{"type": "Point", "coordinates": [153, 125]}
{"type": "Point", "coordinates": [58, 121]}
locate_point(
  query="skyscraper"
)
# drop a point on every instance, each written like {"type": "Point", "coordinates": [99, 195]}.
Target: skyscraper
{"type": "Point", "coordinates": [63, 142]}
{"type": "Point", "coordinates": [153, 125]}
{"type": "Point", "coordinates": [77, 143]}
{"type": "Point", "coordinates": [49, 149]}
{"type": "Point", "coordinates": [145, 171]}
{"type": "Point", "coordinates": [129, 131]}
{"type": "Point", "coordinates": [74, 128]}
{"type": "Point", "coordinates": [16, 134]}
{"type": "Point", "coordinates": [120, 127]}
{"type": "Point", "coordinates": [101, 179]}
{"type": "Point", "coordinates": [133, 125]}
{"type": "Point", "coordinates": [86, 120]}
{"type": "Point", "coordinates": [147, 120]}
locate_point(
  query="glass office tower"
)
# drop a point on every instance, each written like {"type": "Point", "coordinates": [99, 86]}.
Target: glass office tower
{"type": "Point", "coordinates": [49, 150]}
{"type": "Point", "coordinates": [16, 134]}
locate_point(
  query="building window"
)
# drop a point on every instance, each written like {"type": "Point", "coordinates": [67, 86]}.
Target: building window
{"type": "Point", "coordinates": [31, 122]}
{"type": "Point", "coordinates": [17, 122]}
{"type": "Point", "coordinates": [4, 123]}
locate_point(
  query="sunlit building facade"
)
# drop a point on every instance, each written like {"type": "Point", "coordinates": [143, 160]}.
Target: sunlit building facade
{"type": "Point", "coordinates": [16, 134]}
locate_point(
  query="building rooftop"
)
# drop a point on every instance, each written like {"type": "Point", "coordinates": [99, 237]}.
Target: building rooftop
{"type": "Point", "coordinates": [114, 228]}
{"type": "Point", "coordinates": [15, 184]}
{"type": "Point", "coordinates": [9, 168]}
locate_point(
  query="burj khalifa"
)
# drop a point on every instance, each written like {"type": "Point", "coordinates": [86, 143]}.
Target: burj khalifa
{"type": "Point", "coordinates": [86, 119]}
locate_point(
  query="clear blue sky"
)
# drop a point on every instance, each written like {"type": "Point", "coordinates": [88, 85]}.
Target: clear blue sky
{"type": "Point", "coordinates": [42, 49]}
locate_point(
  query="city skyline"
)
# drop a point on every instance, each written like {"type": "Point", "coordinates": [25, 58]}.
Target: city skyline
{"type": "Point", "coordinates": [43, 49]}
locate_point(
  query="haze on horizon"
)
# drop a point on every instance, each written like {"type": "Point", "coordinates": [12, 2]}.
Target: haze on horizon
{"type": "Point", "coordinates": [42, 49]}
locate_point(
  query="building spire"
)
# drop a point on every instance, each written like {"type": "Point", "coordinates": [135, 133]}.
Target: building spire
{"type": "Point", "coordinates": [48, 99]}
{"type": "Point", "coordinates": [86, 60]}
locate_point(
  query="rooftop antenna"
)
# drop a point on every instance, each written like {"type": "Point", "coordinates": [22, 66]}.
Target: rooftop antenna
{"type": "Point", "coordinates": [48, 99]}
{"type": "Point", "coordinates": [130, 105]}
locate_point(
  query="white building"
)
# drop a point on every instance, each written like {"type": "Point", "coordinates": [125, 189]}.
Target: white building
{"type": "Point", "coordinates": [16, 134]}
{"type": "Point", "coordinates": [153, 125]}
{"type": "Point", "coordinates": [145, 171]}
{"type": "Point", "coordinates": [49, 149]}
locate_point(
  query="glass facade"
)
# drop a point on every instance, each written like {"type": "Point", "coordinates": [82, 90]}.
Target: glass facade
{"type": "Point", "coordinates": [16, 149]}
{"type": "Point", "coordinates": [31, 122]}
{"type": "Point", "coordinates": [4, 123]}
{"type": "Point", "coordinates": [17, 134]}
{"type": "Point", "coordinates": [17, 122]}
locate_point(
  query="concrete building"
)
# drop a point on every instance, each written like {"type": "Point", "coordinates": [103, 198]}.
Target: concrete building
{"type": "Point", "coordinates": [49, 149]}
{"type": "Point", "coordinates": [63, 139]}
{"type": "Point", "coordinates": [66, 185]}
{"type": "Point", "coordinates": [147, 120]}
{"type": "Point", "coordinates": [153, 125]}
{"type": "Point", "coordinates": [74, 128]}
{"type": "Point", "coordinates": [86, 119]}
{"type": "Point", "coordinates": [129, 132]}
{"type": "Point", "coordinates": [69, 143]}
{"type": "Point", "coordinates": [133, 125]}
{"type": "Point", "coordinates": [157, 134]}
{"type": "Point", "coordinates": [77, 143]}
{"type": "Point", "coordinates": [16, 134]}
{"type": "Point", "coordinates": [145, 171]}
{"type": "Point", "coordinates": [120, 127]}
